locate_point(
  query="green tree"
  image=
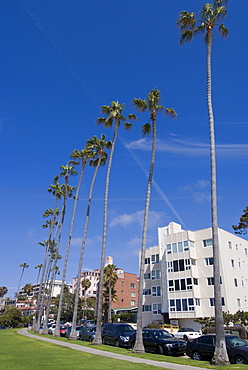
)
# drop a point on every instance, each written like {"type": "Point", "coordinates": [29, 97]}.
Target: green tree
{"type": "Point", "coordinates": [3, 291]}
{"type": "Point", "coordinates": [241, 228]}
{"type": "Point", "coordinates": [112, 116]}
{"type": "Point", "coordinates": [23, 266]}
{"type": "Point", "coordinates": [110, 278]}
{"type": "Point", "coordinates": [11, 318]}
{"type": "Point", "coordinates": [85, 284]}
{"type": "Point", "coordinates": [211, 15]}
{"type": "Point", "coordinates": [67, 306]}
{"type": "Point", "coordinates": [83, 155]}
{"type": "Point", "coordinates": [98, 146]}
{"type": "Point", "coordinates": [28, 288]}
{"type": "Point", "coordinates": [151, 103]}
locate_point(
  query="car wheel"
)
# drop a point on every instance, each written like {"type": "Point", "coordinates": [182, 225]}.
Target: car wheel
{"type": "Point", "coordinates": [240, 360]}
{"type": "Point", "coordinates": [160, 350]}
{"type": "Point", "coordinates": [90, 339]}
{"type": "Point", "coordinates": [104, 341]}
{"type": "Point", "coordinates": [196, 356]}
{"type": "Point", "coordinates": [185, 337]}
{"type": "Point", "coordinates": [132, 345]}
{"type": "Point", "coordinates": [117, 343]}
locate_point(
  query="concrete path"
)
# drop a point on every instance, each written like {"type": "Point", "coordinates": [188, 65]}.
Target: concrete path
{"type": "Point", "coordinates": [161, 364]}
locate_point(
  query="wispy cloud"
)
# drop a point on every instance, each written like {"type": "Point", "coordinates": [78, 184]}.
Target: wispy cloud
{"type": "Point", "coordinates": [77, 242]}
{"type": "Point", "coordinates": [200, 190]}
{"type": "Point", "coordinates": [189, 147]}
{"type": "Point", "coordinates": [126, 219]}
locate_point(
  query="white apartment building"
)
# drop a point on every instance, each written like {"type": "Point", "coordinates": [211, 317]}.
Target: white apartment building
{"type": "Point", "coordinates": [178, 281]}
{"type": "Point", "coordinates": [56, 289]}
{"type": "Point", "coordinates": [93, 277]}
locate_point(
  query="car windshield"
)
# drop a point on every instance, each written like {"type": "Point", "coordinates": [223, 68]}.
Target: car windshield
{"type": "Point", "coordinates": [124, 328]}
{"type": "Point", "coordinates": [63, 327]}
{"type": "Point", "coordinates": [162, 334]}
{"type": "Point", "coordinates": [236, 342]}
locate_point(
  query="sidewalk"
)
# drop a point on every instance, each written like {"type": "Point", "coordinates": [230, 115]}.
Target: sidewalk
{"type": "Point", "coordinates": [160, 364]}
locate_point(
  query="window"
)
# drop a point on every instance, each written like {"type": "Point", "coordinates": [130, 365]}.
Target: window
{"type": "Point", "coordinates": [147, 308]}
{"type": "Point", "coordinates": [207, 243]}
{"type": "Point", "coordinates": [132, 285]}
{"type": "Point", "coordinates": [174, 247]}
{"type": "Point", "coordinates": [156, 308]}
{"type": "Point", "coordinates": [187, 264]}
{"type": "Point", "coordinates": [133, 294]}
{"type": "Point", "coordinates": [239, 302]}
{"type": "Point", "coordinates": [156, 291]}
{"type": "Point", "coordinates": [230, 245]}
{"type": "Point", "coordinates": [155, 258]}
{"type": "Point", "coordinates": [122, 282]}
{"type": "Point", "coordinates": [186, 245]}
{"type": "Point", "coordinates": [147, 276]}
{"type": "Point", "coordinates": [193, 261]}
{"type": "Point", "coordinates": [197, 302]}
{"type": "Point", "coordinates": [195, 281]}
{"type": "Point", "coordinates": [179, 247]}
{"type": "Point", "coordinates": [155, 274]}
{"type": "Point", "coordinates": [189, 283]}
{"type": "Point", "coordinates": [212, 301]}
{"type": "Point", "coordinates": [122, 300]}
{"type": "Point", "coordinates": [210, 280]}
{"type": "Point", "coordinates": [246, 252]}
{"type": "Point", "coordinates": [177, 286]}
{"type": "Point", "coordinates": [235, 282]}
{"type": "Point", "coordinates": [171, 286]}
{"type": "Point", "coordinates": [122, 291]}
{"type": "Point", "coordinates": [169, 266]}
{"type": "Point", "coordinates": [147, 261]}
{"type": "Point", "coordinates": [146, 291]}
{"type": "Point", "coordinates": [172, 305]}
{"type": "Point", "coordinates": [132, 303]}
{"type": "Point", "coordinates": [183, 284]}
{"type": "Point", "coordinates": [233, 263]}
{"type": "Point", "coordinates": [184, 304]}
{"type": "Point", "coordinates": [209, 261]}
{"type": "Point", "coordinates": [168, 248]}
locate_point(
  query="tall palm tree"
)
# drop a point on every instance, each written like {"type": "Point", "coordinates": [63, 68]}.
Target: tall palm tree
{"type": "Point", "coordinates": [112, 116]}
{"type": "Point", "coordinates": [98, 146]}
{"type": "Point", "coordinates": [85, 284]}
{"type": "Point", "coordinates": [39, 267]}
{"type": "Point", "coordinates": [3, 291]}
{"type": "Point", "coordinates": [84, 155]}
{"type": "Point", "coordinates": [211, 15]}
{"type": "Point", "coordinates": [23, 266]}
{"type": "Point", "coordinates": [110, 278]}
{"type": "Point", "coordinates": [151, 103]}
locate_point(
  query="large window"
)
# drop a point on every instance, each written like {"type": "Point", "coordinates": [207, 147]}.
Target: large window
{"type": "Point", "coordinates": [155, 258]}
{"type": "Point", "coordinates": [156, 291]}
{"type": "Point", "coordinates": [147, 308]}
{"type": "Point", "coordinates": [147, 261]}
{"type": "Point", "coordinates": [212, 301]}
{"type": "Point", "coordinates": [179, 247]}
{"type": "Point", "coordinates": [147, 276]}
{"type": "Point", "coordinates": [207, 243]}
{"type": "Point", "coordinates": [180, 284]}
{"type": "Point", "coordinates": [156, 308]}
{"type": "Point", "coordinates": [179, 265]}
{"type": "Point", "coordinates": [155, 274]}
{"type": "Point", "coordinates": [146, 291]}
{"type": "Point", "coordinates": [209, 261]}
{"type": "Point", "coordinates": [184, 304]}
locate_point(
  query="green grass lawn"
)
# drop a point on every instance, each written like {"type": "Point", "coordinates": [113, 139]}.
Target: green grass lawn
{"type": "Point", "coordinates": [18, 352]}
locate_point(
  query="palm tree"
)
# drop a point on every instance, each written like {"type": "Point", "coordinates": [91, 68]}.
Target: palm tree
{"type": "Point", "coordinates": [23, 266]}
{"type": "Point", "coordinates": [98, 146]}
{"type": "Point", "coordinates": [112, 116]}
{"type": "Point", "coordinates": [3, 291]}
{"type": "Point", "coordinates": [28, 288]}
{"type": "Point", "coordinates": [110, 279]}
{"type": "Point", "coordinates": [85, 284]}
{"type": "Point", "coordinates": [84, 155]}
{"type": "Point", "coordinates": [211, 15]}
{"type": "Point", "coordinates": [39, 267]}
{"type": "Point", "coordinates": [151, 103]}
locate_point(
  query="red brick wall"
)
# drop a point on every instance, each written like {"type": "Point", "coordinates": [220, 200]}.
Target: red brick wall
{"type": "Point", "coordinates": [126, 286]}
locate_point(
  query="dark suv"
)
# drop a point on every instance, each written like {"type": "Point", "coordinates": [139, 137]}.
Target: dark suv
{"type": "Point", "coordinates": [117, 334]}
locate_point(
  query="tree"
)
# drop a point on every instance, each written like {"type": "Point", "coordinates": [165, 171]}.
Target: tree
{"type": "Point", "coordinates": [98, 146]}
{"type": "Point", "coordinates": [85, 284]}
{"type": "Point", "coordinates": [28, 288]}
{"type": "Point", "coordinates": [11, 318]}
{"type": "Point", "coordinates": [209, 17]}
{"type": "Point", "coordinates": [23, 266]}
{"type": "Point", "coordinates": [3, 291]}
{"type": "Point", "coordinates": [112, 116]}
{"type": "Point", "coordinates": [67, 305]}
{"type": "Point", "coordinates": [110, 278]}
{"type": "Point", "coordinates": [151, 103]}
{"type": "Point", "coordinates": [39, 267]}
{"type": "Point", "coordinates": [84, 155]}
{"type": "Point", "coordinates": [243, 223]}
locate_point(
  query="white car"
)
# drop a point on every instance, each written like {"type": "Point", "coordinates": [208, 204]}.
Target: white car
{"type": "Point", "coordinates": [51, 329]}
{"type": "Point", "coordinates": [187, 333]}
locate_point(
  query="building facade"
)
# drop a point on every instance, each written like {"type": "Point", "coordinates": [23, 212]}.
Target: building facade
{"type": "Point", "coordinates": [126, 287]}
{"type": "Point", "coordinates": [92, 276]}
{"type": "Point", "coordinates": [178, 281]}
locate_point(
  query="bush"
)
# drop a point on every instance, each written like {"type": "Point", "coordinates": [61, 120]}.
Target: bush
{"type": "Point", "coordinates": [154, 325]}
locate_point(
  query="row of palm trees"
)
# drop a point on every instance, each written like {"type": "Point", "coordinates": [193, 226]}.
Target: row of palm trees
{"type": "Point", "coordinates": [191, 25]}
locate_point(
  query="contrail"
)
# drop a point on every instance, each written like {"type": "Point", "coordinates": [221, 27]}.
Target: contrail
{"type": "Point", "coordinates": [157, 187]}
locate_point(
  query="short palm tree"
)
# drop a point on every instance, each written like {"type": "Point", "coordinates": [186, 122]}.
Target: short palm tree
{"type": "Point", "coordinates": [85, 284]}
{"type": "Point", "coordinates": [39, 267]}
{"type": "Point", "coordinates": [23, 266]}
{"type": "Point", "coordinates": [211, 15]}
{"type": "Point", "coordinates": [28, 288]}
{"type": "Point", "coordinates": [151, 103]}
{"type": "Point", "coordinates": [110, 278]}
{"type": "Point", "coordinates": [3, 291]}
{"type": "Point", "coordinates": [83, 155]}
{"type": "Point", "coordinates": [98, 146]}
{"type": "Point", "coordinates": [113, 115]}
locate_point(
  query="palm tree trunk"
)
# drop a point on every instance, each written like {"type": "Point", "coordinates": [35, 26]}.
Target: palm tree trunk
{"type": "Point", "coordinates": [73, 335]}
{"type": "Point", "coordinates": [139, 346]}
{"type": "Point", "coordinates": [220, 354]}
{"type": "Point", "coordinates": [110, 301]}
{"type": "Point", "coordinates": [56, 331]}
{"type": "Point", "coordinates": [20, 282]}
{"type": "Point", "coordinates": [98, 336]}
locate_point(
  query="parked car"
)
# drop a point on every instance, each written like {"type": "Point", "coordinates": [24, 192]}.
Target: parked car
{"type": "Point", "coordinates": [51, 329]}
{"type": "Point", "coordinates": [187, 333]}
{"type": "Point", "coordinates": [160, 341]}
{"type": "Point", "coordinates": [62, 330]}
{"type": "Point", "coordinates": [87, 333]}
{"type": "Point", "coordinates": [117, 334]}
{"type": "Point", "coordinates": [85, 322]}
{"type": "Point", "coordinates": [68, 331]}
{"type": "Point", "coordinates": [203, 348]}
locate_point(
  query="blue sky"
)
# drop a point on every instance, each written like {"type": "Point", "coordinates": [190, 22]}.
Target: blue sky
{"type": "Point", "coordinates": [60, 61]}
